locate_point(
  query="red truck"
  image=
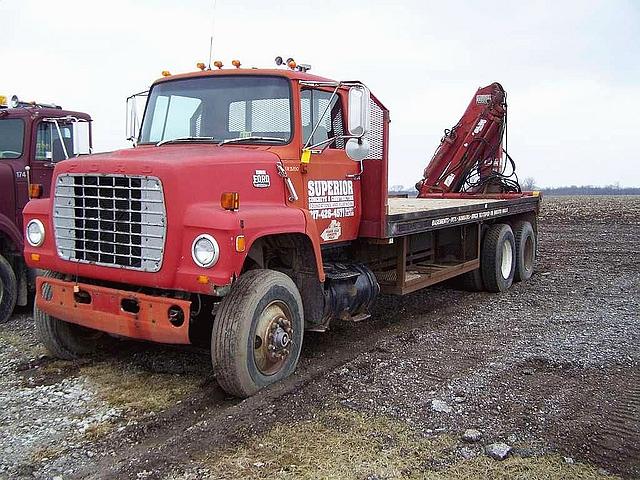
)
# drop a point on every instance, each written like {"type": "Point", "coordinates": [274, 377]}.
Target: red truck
{"type": "Point", "coordinates": [254, 208]}
{"type": "Point", "coordinates": [33, 138]}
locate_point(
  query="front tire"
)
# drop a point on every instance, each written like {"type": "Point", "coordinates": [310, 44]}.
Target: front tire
{"type": "Point", "coordinates": [8, 289]}
{"type": "Point", "coordinates": [257, 333]}
{"type": "Point", "coordinates": [498, 261]}
{"type": "Point", "coordinates": [63, 340]}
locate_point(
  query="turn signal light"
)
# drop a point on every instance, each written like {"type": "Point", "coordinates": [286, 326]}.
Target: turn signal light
{"type": "Point", "coordinates": [35, 257]}
{"type": "Point", "coordinates": [217, 64]}
{"type": "Point", "coordinates": [236, 63]}
{"type": "Point", "coordinates": [240, 243]}
{"type": "Point", "coordinates": [201, 66]}
{"type": "Point", "coordinates": [230, 200]}
{"type": "Point", "coordinates": [203, 279]}
{"type": "Point", "coordinates": [35, 190]}
{"type": "Point", "coordinates": [166, 73]}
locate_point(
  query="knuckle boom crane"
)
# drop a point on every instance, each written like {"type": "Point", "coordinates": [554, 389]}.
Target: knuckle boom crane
{"type": "Point", "coordinates": [469, 158]}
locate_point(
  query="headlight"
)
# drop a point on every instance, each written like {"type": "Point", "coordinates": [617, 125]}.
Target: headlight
{"type": "Point", "coordinates": [205, 250]}
{"type": "Point", "coordinates": [35, 233]}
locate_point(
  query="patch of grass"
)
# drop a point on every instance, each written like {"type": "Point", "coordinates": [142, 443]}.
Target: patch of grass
{"type": "Point", "coordinates": [48, 453]}
{"type": "Point", "coordinates": [136, 389]}
{"type": "Point", "coordinates": [342, 444]}
{"type": "Point", "coordinates": [20, 343]}
{"type": "Point", "coordinates": [98, 430]}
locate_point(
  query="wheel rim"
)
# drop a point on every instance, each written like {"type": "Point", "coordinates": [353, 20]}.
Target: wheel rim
{"type": "Point", "coordinates": [507, 259]}
{"type": "Point", "coordinates": [528, 253]}
{"type": "Point", "coordinates": [273, 338]}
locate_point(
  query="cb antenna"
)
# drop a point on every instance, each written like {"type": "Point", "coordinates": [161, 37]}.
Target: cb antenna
{"type": "Point", "coordinates": [213, 24]}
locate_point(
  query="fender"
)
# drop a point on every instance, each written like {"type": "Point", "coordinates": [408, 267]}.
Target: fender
{"type": "Point", "coordinates": [261, 221]}
{"type": "Point", "coordinates": [10, 230]}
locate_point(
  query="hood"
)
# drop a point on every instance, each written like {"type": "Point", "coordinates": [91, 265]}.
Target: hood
{"type": "Point", "coordinates": [171, 155]}
{"type": "Point", "coordinates": [190, 173]}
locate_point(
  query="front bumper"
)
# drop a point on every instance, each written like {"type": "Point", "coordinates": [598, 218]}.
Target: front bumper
{"type": "Point", "coordinates": [101, 308]}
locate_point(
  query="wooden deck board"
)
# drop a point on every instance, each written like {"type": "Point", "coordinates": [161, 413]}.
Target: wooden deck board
{"type": "Point", "coordinates": [399, 206]}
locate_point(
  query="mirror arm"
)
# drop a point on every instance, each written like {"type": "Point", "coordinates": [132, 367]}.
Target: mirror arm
{"type": "Point", "coordinates": [313, 132]}
{"type": "Point", "coordinates": [328, 141]}
{"type": "Point", "coordinates": [356, 176]}
{"type": "Point", "coordinates": [64, 148]}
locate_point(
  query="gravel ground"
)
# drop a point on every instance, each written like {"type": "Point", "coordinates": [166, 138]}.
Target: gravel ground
{"type": "Point", "coordinates": [552, 365]}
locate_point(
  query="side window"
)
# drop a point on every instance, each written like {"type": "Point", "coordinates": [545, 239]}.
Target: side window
{"type": "Point", "coordinates": [313, 105]}
{"type": "Point", "coordinates": [49, 145]}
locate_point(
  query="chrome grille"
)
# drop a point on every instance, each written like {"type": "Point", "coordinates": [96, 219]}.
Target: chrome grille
{"type": "Point", "coordinates": [112, 220]}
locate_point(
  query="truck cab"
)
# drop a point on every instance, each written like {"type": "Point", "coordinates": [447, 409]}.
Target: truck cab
{"type": "Point", "coordinates": [253, 208]}
{"type": "Point", "coordinates": [33, 139]}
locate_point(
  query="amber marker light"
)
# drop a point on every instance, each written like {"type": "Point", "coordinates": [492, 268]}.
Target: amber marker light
{"type": "Point", "coordinates": [35, 257]}
{"type": "Point", "coordinates": [230, 200]}
{"type": "Point", "coordinates": [35, 190]}
{"type": "Point", "coordinates": [217, 64]}
{"type": "Point", "coordinates": [292, 64]}
{"type": "Point", "coordinates": [203, 279]}
{"type": "Point", "coordinates": [166, 73]}
{"type": "Point", "coordinates": [201, 66]}
{"type": "Point", "coordinates": [241, 243]}
{"type": "Point", "coordinates": [236, 63]}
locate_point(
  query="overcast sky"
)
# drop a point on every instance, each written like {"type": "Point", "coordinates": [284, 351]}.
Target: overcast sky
{"type": "Point", "coordinates": [571, 68]}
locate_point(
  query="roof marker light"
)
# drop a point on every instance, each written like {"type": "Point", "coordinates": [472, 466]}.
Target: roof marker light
{"type": "Point", "coordinates": [201, 66]}
{"type": "Point", "coordinates": [236, 63]}
{"type": "Point", "coordinates": [218, 64]}
{"type": "Point", "coordinates": [166, 73]}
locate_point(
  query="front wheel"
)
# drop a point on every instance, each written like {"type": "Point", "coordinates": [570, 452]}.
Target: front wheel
{"type": "Point", "coordinates": [8, 289]}
{"type": "Point", "coordinates": [257, 333]}
{"type": "Point", "coordinates": [62, 339]}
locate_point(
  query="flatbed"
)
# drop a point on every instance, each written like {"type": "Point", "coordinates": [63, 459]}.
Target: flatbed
{"type": "Point", "coordinates": [406, 216]}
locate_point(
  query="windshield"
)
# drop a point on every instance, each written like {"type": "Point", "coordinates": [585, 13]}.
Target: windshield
{"type": "Point", "coordinates": [11, 138]}
{"type": "Point", "coordinates": [219, 108]}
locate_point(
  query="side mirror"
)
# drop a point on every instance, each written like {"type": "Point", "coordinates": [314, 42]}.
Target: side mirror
{"type": "Point", "coordinates": [135, 106]}
{"type": "Point", "coordinates": [81, 142]}
{"type": "Point", "coordinates": [359, 121]}
{"type": "Point", "coordinates": [358, 149]}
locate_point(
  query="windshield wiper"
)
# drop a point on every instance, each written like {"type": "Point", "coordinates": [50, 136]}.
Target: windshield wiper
{"type": "Point", "coordinates": [244, 139]}
{"type": "Point", "coordinates": [186, 139]}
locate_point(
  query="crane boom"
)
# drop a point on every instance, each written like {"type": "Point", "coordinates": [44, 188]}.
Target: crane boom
{"type": "Point", "coordinates": [469, 157]}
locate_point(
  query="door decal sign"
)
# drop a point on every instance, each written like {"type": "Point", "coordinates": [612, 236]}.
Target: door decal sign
{"type": "Point", "coordinates": [332, 232]}
{"type": "Point", "coordinates": [331, 198]}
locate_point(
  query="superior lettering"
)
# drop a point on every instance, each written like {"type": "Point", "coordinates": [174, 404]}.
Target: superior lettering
{"type": "Point", "coordinates": [317, 188]}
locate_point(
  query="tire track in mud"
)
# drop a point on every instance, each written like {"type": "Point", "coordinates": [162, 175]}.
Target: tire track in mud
{"type": "Point", "coordinates": [618, 442]}
{"type": "Point", "coordinates": [211, 418]}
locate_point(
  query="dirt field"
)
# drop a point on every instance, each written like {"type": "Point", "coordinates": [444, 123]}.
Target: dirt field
{"type": "Point", "coordinates": [551, 368]}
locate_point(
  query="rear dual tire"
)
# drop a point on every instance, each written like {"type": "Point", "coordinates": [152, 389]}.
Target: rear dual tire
{"type": "Point", "coordinates": [498, 258]}
{"type": "Point", "coordinates": [525, 239]}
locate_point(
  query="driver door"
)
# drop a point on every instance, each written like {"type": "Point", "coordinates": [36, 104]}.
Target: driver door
{"type": "Point", "coordinates": [331, 185]}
